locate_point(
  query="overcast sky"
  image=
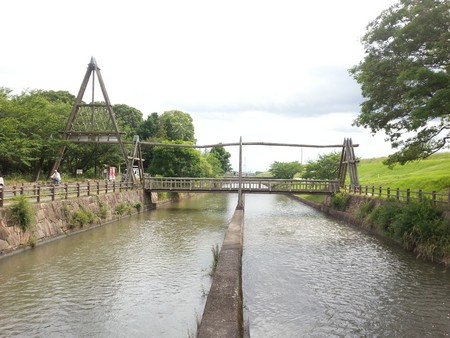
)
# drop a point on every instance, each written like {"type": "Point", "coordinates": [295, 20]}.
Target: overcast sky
{"type": "Point", "coordinates": [266, 71]}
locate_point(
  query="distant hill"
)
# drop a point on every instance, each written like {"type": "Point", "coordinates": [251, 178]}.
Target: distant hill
{"type": "Point", "coordinates": [431, 174]}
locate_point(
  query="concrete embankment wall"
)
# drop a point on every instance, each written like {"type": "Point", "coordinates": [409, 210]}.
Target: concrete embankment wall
{"type": "Point", "coordinates": [223, 313]}
{"type": "Point", "coordinates": [55, 219]}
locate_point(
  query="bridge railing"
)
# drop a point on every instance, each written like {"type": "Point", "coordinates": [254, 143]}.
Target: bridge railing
{"type": "Point", "coordinates": [51, 192]}
{"type": "Point", "coordinates": [246, 184]}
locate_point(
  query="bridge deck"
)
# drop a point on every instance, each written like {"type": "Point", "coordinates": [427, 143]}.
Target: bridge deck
{"type": "Point", "coordinates": [248, 185]}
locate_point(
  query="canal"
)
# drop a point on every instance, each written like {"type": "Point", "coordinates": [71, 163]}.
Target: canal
{"type": "Point", "coordinates": [304, 275]}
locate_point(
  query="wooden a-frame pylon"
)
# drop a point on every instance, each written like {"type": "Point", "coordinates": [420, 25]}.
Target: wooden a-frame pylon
{"type": "Point", "coordinates": [92, 122]}
{"type": "Point", "coordinates": [348, 161]}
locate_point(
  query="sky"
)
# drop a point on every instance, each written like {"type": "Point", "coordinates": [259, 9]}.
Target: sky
{"type": "Point", "coordinates": [260, 70]}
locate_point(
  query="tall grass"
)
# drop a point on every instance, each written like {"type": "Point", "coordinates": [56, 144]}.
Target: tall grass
{"type": "Point", "coordinates": [418, 226]}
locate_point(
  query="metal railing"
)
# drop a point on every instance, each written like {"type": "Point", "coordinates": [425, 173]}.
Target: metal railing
{"type": "Point", "coordinates": [399, 194]}
{"type": "Point", "coordinates": [50, 192]}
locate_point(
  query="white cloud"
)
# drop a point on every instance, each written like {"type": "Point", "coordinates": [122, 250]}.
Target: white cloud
{"type": "Point", "coordinates": [264, 70]}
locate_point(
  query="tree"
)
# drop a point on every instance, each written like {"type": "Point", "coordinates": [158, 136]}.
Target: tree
{"type": "Point", "coordinates": [148, 129]}
{"type": "Point", "coordinates": [325, 168]}
{"type": "Point", "coordinates": [30, 124]}
{"type": "Point", "coordinates": [223, 156]}
{"type": "Point", "coordinates": [405, 78]}
{"type": "Point", "coordinates": [128, 117]}
{"type": "Point", "coordinates": [174, 125]}
{"type": "Point", "coordinates": [176, 162]}
{"type": "Point", "coordinates": [285, 170]}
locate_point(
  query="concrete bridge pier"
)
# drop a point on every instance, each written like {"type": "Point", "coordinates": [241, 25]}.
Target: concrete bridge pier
{"type": "Point", "coordinates": [223, 313]}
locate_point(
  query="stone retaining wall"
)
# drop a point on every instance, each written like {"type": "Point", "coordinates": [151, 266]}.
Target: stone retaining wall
{"type": "Point", "coordinates": [53, 219]}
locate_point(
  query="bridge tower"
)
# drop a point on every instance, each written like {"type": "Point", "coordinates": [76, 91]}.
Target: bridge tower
{"type": "Point", "coordinates": [348, 162]}
{"type": "Point", "coordinates": [93, 122]}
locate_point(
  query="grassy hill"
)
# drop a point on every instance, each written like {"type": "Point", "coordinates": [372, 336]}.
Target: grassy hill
{"type": "Point", "coordinates": [431, 174]}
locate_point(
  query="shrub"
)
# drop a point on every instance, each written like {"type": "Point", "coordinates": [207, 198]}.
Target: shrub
{"type": "Point", "coordinates": [418, 226]}
{"type": "Point", "coordinates": [122, 208]}
{"type": "Point", "coordinates": [384, 217]}
{"type": "Point", "coordinates": [365, 209]}
{"type": "Point", "coordinates": [80, 218]}
{"type": "Point", "coordinates": [22, 212]}
{"type": "Point", "coordinates": [138, 206]}
{"type": "Point", "coordinates": [339, 201]}
{"type": "Point", "coordinates": [32, 240]}
{"type": "Point", "coordinates": [103, 210]}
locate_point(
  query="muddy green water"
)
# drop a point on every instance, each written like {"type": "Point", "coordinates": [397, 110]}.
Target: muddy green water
{"type": "Point", "coordinates": [304, 275]}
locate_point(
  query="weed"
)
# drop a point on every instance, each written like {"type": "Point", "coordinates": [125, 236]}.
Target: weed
{"type": "Point", "coordinates": [103, 210]}
{"type": "Point", "coordinates": [138, 206]}
{"type": "Point", "coordinates": [365, 209]}
{"type": "Point", "coordinates": [339, 201]}
{"type": "Point", "coordinates": [215, 251]}
{"type": "Point", "coordinates": [22, 212]}
{"type": "Point", "coordinates": [80, 218]}
{"type": "Point", "coordinates": [122, 208]}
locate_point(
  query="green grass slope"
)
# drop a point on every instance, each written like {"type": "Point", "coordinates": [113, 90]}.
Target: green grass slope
{"type": "Point", "coordinates": [431, 174]}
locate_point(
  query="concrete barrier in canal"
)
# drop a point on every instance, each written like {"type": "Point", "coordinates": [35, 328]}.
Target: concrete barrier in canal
{"type": "Point", "coordinates": [223, 314]}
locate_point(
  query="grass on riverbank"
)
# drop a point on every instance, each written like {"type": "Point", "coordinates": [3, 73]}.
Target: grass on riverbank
{"type": "Point", "coordinates": [431, 174]}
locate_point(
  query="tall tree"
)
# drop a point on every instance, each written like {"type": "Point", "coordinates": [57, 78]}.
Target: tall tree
{"type": "Point", "coordinates": [285, 170]}
{"type": "Point", "coordinates": [128, 118]}
{"type": "Point", "coordinates": [405, 78]}
{"type": "Point", "coordinates": [176, 162]}
{"type": "Point", "coordinates": [29, 129]}
{"type": "Point", "coordinates": [175, 125]}
{"type": "Point", "coordinates": [223, 156]}
{"type": "Point", "coordinates": [325, 168]}
{"type": "Point", "coordinates": [148, 129]}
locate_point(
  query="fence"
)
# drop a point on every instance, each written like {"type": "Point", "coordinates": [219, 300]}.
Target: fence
{"type": "Point", "coordinates": [46, 193]}
{"type": "Point", "coordinates": [400, 195]}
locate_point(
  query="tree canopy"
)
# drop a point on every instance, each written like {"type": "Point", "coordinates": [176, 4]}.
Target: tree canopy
{"type": "Point", "coordinates": [285, 170]}
{"type": "Point", "coordinates": [325, 168]}
{"type": "Point", "coordinates": [405, 78]}
{"type": "Point", "coordinates": [32, 122]}
{"type": "Point", "coordinates": [224, 158]}
{"type": "Point", "coordinates": [175, 125]}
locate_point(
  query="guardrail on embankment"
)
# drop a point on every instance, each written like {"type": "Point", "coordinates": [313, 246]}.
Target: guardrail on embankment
{"type": "Point", "coordinates": [438, 199]}
{"type": "Point", "coordinates": [50, 192]}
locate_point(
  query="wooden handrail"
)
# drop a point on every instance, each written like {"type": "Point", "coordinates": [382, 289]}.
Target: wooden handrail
{"type": "Point", "coordinates": [50, 192]}
{"type": "Point", "coordinates": [405, 195]}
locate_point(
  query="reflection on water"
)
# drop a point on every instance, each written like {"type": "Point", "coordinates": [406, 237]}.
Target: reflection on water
{"type": "Point", "coordinates": [144, 276]}
{"type": "Point", "coordinates": [305, 275]}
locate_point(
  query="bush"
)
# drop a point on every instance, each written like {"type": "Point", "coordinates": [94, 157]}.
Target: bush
{"type": "Point", "coordinates": [418, 226]}
{"type": "Point", "coordinates": [339, 201]}
{"type": "Point", "coordinates": [365, 209]}
{"type": "Point", "coordinates": [122, 208]}
{"type": "Point", "coordinates": [80, 218]}
{"type": "Point", "coordinates": [384, 217]}
{"type": "Point", "coordinates": [22, 212]}
{"type": "Point", "coordinates": [103, 210]}
{"type": "Point", "coordinates": [138, 206]}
